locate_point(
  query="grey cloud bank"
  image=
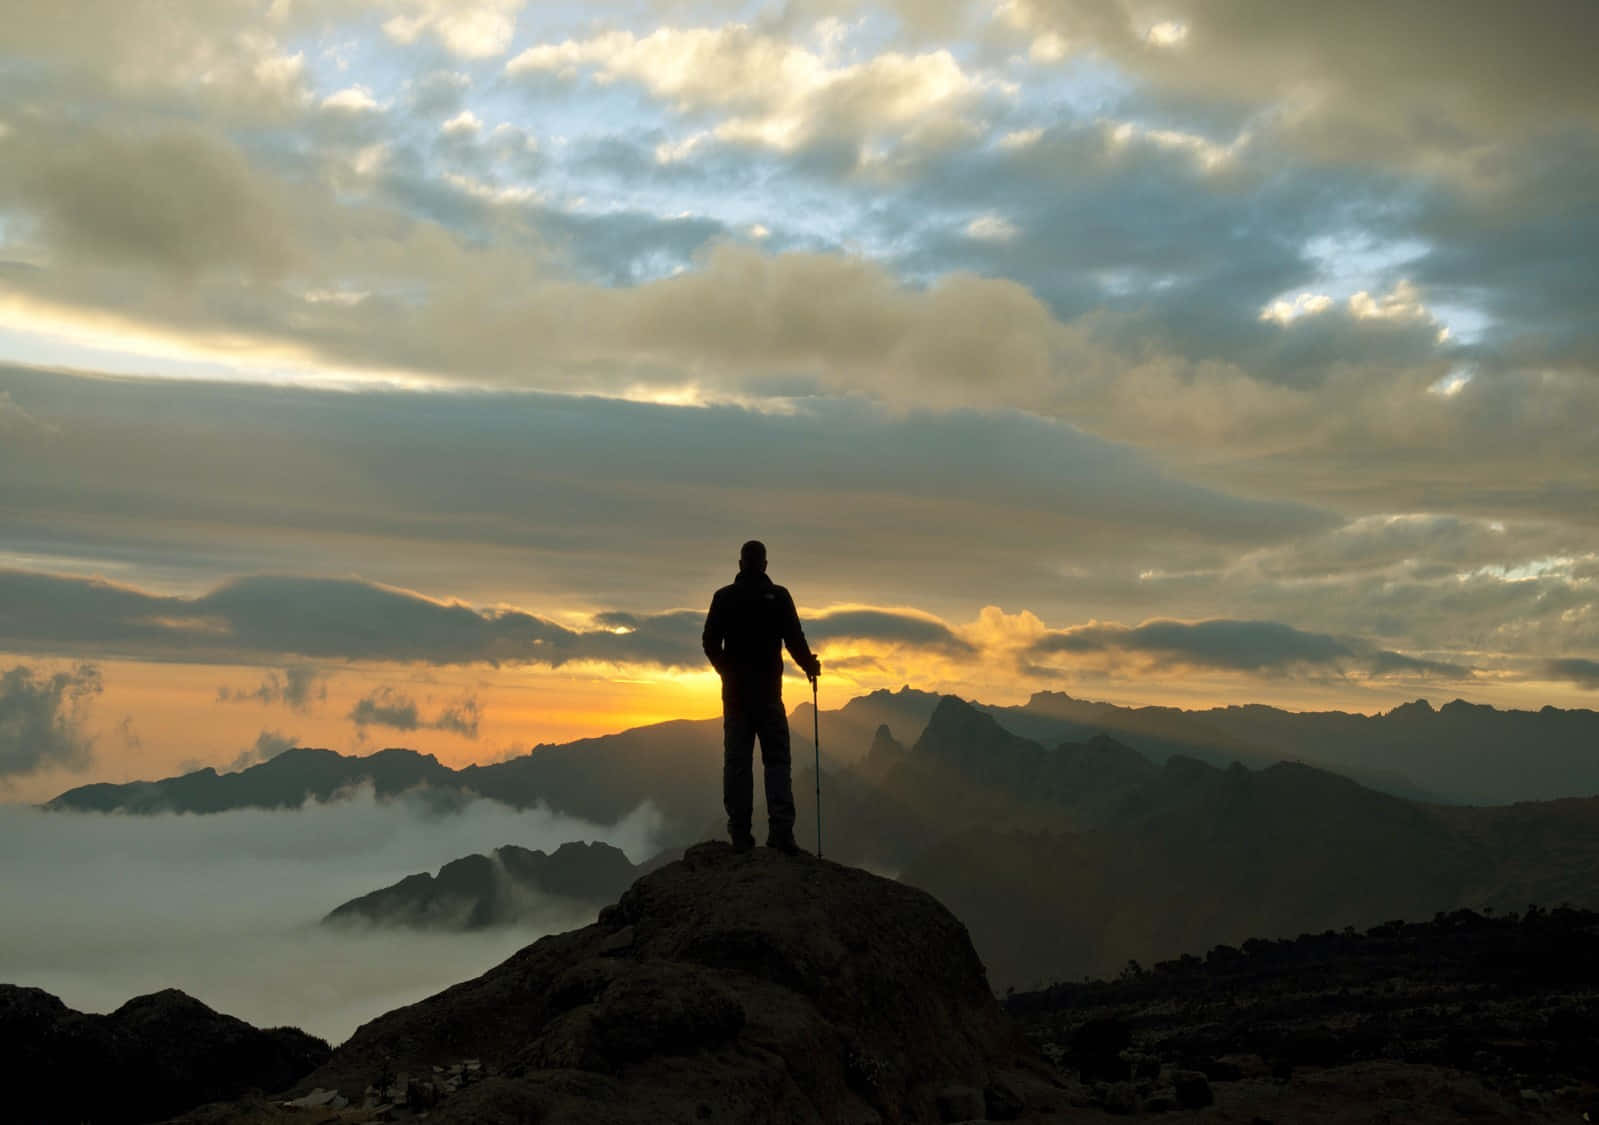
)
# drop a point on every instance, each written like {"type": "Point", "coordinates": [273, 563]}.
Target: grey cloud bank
{"type": "Point", "coordinates": [252, 619]}
{"type": "Point", "coordinates": [41, 716]}
{"type": "Point", "coordinates": [1250, 646]}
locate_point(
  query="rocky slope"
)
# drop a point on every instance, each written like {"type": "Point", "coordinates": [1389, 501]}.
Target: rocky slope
{"type": "Point", "coordinates": [1484, 1016]}
{"type": "Point", "coordinates": [155, 1056]}
{"type": "Point", "coordinates": [720, 988]}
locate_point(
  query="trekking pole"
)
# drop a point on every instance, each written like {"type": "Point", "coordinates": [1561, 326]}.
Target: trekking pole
{"type": "Point", "coordinates": [816, 741]}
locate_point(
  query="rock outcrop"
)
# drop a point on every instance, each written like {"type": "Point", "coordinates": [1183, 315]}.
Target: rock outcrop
{"type": "Point", "coordinates": [477, 891]}
{"type": "Point", "coordinates": [155, 1056]}
{"type": "Point", "coordinates": [720, 988]}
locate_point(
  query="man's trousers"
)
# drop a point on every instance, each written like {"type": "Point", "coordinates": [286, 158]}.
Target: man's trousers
{"type": "Point", "coordinates": [742, 723]}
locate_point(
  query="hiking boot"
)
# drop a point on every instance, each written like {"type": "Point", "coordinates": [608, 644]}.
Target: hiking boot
{"type": "Point", "coordinates": [743, 842]}
{"type": "Point", "coordinates": [783, 842]}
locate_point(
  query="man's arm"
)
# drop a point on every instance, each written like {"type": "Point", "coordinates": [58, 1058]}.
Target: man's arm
{"type": "Point", "coordinates": [715, 631]}
{"type": "Point", "coordinates": [794, 638]}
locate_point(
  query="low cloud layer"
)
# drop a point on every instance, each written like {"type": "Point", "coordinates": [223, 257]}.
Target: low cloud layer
{"type": "Point", "coordinates": [120, 906]}
{"type": "Point", "coordinates": [41, 718]}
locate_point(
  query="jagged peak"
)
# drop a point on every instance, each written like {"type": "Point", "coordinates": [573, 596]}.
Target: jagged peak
{"type": "Point", "coordinates": [1415, 707]}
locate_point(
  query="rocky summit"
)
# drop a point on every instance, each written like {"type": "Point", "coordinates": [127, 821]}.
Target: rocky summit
{"type": "Point", "coordinates": [720, 988]}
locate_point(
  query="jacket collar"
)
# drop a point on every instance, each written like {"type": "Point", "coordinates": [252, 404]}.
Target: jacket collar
{"type": "Point", "coordinates": [758, 579]}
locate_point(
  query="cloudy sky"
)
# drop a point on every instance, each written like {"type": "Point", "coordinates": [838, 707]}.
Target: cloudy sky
{"type": "Point", "coordinates": [407, 372]}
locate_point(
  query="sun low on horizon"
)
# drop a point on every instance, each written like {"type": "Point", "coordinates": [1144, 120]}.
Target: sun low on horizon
{"type": "Point", "coordinates": [408, 372]}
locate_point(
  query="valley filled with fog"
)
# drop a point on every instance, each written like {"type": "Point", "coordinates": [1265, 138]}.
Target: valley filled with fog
{"type": "Point", "coordinates": [226, 906]}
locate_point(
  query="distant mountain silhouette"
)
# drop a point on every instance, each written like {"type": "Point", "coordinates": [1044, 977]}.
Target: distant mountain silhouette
{"type": "Point", "coordinates": [725, 987]}
{"type": "Point", "coordinates": [675, 765]}
{"type": "Point", "coordinates": [155, 1056]}
{"type": "Point", "coordinates": [1460, 753]}
{"type": "Point", "coordinates": [511, 885]}
{"type": "Point", "coordinates": [1065, 857]}
{"type": "Point", "coordinates": [848, 732]}
{"type": "Point", "coordinates": [285, 781]}
{"type": "Point", "coordinates": [1197, 855]}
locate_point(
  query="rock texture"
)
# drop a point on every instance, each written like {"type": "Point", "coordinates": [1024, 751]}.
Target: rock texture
{"type": "Point", "coordinates": [720, 988]}
{"type": "Point", "coordinates": [155, 1056]}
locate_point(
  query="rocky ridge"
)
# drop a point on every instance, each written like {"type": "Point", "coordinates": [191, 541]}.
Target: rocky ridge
{"type": "Point", "coordinates": [505, 887]}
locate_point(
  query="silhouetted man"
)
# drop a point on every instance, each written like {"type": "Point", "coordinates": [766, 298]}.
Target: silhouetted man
{"type": "Point", "coordinates": [749, 623]}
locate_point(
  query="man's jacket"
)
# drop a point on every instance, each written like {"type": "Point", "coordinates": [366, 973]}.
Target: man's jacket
{"type": "Point", "coordinates": [745, 631]}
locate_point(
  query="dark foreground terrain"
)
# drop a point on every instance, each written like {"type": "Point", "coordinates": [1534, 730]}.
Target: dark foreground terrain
{"type": "Point", "coordinates": [155, 1056]}
{"type": "Point", "coordinates": [762, 988]}
{"type": "Point", "coordinates": [1466, 1016]}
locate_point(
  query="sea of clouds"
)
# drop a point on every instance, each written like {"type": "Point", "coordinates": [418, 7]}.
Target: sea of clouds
{"type": "Point", "coordinates": [99, 908]}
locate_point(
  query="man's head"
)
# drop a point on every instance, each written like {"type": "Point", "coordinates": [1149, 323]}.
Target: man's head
{"type": "Point", "coordinates": [752, 556]}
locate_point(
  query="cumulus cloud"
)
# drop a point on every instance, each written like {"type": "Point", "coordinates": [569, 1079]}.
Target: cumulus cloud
{"type": "Point", "coordinates": [386, 707]}
{"type": "Point", "coordinates": [774, 92]}
{"type": "Point", "coordinates": [390, 707]}
{"type": "Point", "coordinates": [1258, 647]}
{"type": "Point", "coordinates": [460, 717]}
{"type": "Point", "coordinates": [230, 51]}
{"type": "Point", "coordinates": [439, 93]}
{"type": "Point", "coordinates": [296, 686]}
{"type": "Point", "coordinates": [41, 719]}
{"type": "Point", "coordinates": [472, 29]}
{"type": "Point", "coordinates": [1403, 84]}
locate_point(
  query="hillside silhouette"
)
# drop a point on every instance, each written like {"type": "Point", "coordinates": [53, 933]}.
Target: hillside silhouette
{"type": "Point", "coordinates": [155, 1056]}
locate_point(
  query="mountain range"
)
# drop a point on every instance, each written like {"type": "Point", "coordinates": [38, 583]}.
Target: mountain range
{"type": "Point", "coordinates": [1065, 858]}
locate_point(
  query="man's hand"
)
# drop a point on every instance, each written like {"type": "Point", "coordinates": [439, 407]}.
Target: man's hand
{"type": "Point", "coordinates": [815, 669]}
